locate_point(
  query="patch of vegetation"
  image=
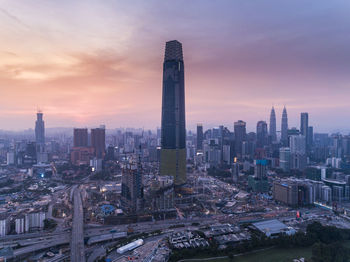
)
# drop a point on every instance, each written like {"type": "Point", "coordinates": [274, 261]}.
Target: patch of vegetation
{"type": "Point", "coordinates": [324, 240]}
{"type": "Point", "coordinates": [49, 224]}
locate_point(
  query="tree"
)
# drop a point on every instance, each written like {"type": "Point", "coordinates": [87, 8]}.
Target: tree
{"type": "Point", "coordinates": [49, 224]}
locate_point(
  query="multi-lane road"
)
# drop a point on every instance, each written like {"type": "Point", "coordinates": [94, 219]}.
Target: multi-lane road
{"type": "Point", "coordinates": [77, 243]}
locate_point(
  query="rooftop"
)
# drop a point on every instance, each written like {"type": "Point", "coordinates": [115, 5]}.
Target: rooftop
{"type": "Point", "coordinates": [173, 51]}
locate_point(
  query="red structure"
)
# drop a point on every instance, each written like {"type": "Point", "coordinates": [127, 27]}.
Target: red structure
{"type": "Point", "coordinates": [81, 155]}
{"type": "Point", "coordinates": [80, 137]}
{"type": "Point", "coordinates": [98, 142]}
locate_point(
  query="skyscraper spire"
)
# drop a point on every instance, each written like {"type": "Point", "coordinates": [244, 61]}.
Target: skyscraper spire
{"type": "Point", "coordinates": [272, 130]}
{"type": "Point", "coordinates": [284, 127]}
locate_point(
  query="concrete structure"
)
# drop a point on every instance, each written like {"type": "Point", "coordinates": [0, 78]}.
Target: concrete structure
{"type": "Point", "coordinates": [105, 237]}
{"type": "Point", "coordinates": [304, 127]}
{"type": "Point", "coordinates": [298, 151]}
{"type": "Point", "coordinates": [39, 129]}
{"type": "Point", "coordinates": [272, 228]}
{"type": "Point", "coordinates": [212, 152]}
{"type": "Point", "coordinates": [296, 192]}
{"type": "Point", "coordinates": [240, 137]}
{"type": "Point", "coordinates": [259, 182]}
{"type": "Point", "coordinates": [199, 137]}
{"type": "Point", "coordinates": [261, 134]}
{"type": "Point", "coordinates": [235, 172]}
{"type": "Point", "coordinates": [96, 164]}
{"type": "Point", "coordinates": [132, 189]}
{"type": "Point", "coordinates": [130, 246]}
{"type": "Point", "coordinates": [286, 193]}
{"type": "Point", "coordinates": [4, 224]}
{"type": "Point", "coordinates": [77, 241]}
{"type": "Point", "coordinates": [326, 194]}
{"type": "Point", "coordinates": [285, 158]}
{"type": "Point", "coordinates": [98, 142]}
{"type": "Point", "coordinates": [41, 156]}
{"type": "Point", "coordinates": [297, 144]}
{"type": "Point", "coordinates": [162, 192]}
{"type": "Point", "coordinates": [226, 154]}
{"type": "Point", "coordinates": [10, 158]}
{"type": "Point", "coordinates": [173, 133]}
{"type": "Point", "coordinates": [81, 155]}
{"type": "Point", "coordinates": [34, 220]}
{"type": "Point", "coordinates": [20, 224]}
{"type": "Point", "coordinates": [80, 137]}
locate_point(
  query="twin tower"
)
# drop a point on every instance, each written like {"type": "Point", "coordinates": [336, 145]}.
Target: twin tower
{"type": "Point", "coordinates": [173, 132]}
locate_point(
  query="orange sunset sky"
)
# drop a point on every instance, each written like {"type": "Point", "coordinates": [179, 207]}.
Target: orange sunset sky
{"type": "Point", "coordinates": [86, 63]}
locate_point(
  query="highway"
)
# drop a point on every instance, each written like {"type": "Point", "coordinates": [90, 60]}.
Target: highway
{"type": "Point", "coordinates": [59, 240]}
{"type": "Point", "coordinates": [77, 242]}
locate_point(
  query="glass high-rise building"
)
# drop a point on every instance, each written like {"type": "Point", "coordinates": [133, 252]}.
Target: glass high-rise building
{"type": "Point", "coordinates": [98, 142]}
{"type": "Point", "coordinates": [284, 128]}
{"type": "Point", "coordinates": [80, 137]}
{"type": "Point", "coordinates": [199, 137]}
{"type": "Point", "coordinates": [272, 130]}
{"type": "Point", "coordinates": [304, 127]}
{"type": "Point", "coordinates": [261, 134]}
{"type": "Point", "coordinates": [173, 133]}
{"type": "Point", "coordinates": [39, 129]}
{"type": "Point", "coordinates": [240, 136]}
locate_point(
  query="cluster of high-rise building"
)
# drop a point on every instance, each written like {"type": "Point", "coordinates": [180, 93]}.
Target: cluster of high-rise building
{"type": "Point", "coordinates": [25, 222]}
{"type": "Point", "coordinates": [87, 147]}
{"type": "Point", "coordinates": [220, 146]}
{"type": "Point", "coordinates": [168, 151]}
{"type": "Point", "coordinates": [301, 192]}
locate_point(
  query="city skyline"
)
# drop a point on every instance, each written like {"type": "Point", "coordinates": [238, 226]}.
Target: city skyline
{"type": "Point", "coordinates": [245, 154]}
{"type": "Point", "coordinates": [110, 72]}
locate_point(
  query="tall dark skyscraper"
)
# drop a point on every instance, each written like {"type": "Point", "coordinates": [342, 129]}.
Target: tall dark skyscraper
{"type": "Point", "coordinates": [98, 142]}
{"type": "Point", "coordinates": [173, 134]}
{"type": "Point", "coordinates": [240, 136]}
{"type": "Point", "coordinates": [284, 127]}
{"type": "Point", "coordinates": [261, 134]}
{"type": "Point", "coordinates": [39, 129]}
{"type": "Point", "coordinates": [272, 130]}
{"type": "Point", "coordinates": [80, 137]}
{"type": "Point", "coordinates": [199, 137]}
{"type": "Point", "coordinates": [311, 136]}
{"type": "Point", "coordinates": [304, 127]}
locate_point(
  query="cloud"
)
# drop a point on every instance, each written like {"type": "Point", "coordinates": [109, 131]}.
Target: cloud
{"type": "Point", "coordinates": [92, 61]}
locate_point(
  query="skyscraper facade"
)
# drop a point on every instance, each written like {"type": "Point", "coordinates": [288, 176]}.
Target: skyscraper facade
{"type": "Point", "coordinates": [132, 189]}
{"type": "Point", "coordinates": [80, 137]}
{"type": "Point", "coordinates": [298, 151]}
{"type": "Point", "coordinates": [272, 131]}
{"type": "Point", "coordinates": [199, 137]}
{"type": "Point", "coordinates": [284, 128]}
{"type": "Point", "coordinates": [98, 142]}
{"type": "Point", "coordinates": [41, 156]}
{"type": "Point", "coordinates": [39, 129]}
{"type": "Point", "coordinates": [285, 158]}
{"type": "Point", "coordinates": [261, 134]}
{"type": "Point", "coordinates": [304, 127]}
{"type": "Point", "coordinates": [310, 136]}
{"type": "Point", "coordinates": [173, 133]}
{"type": "Point", "coordinates": [240, 136]}
{"type": "Point", "coordinates": [297, 144]}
